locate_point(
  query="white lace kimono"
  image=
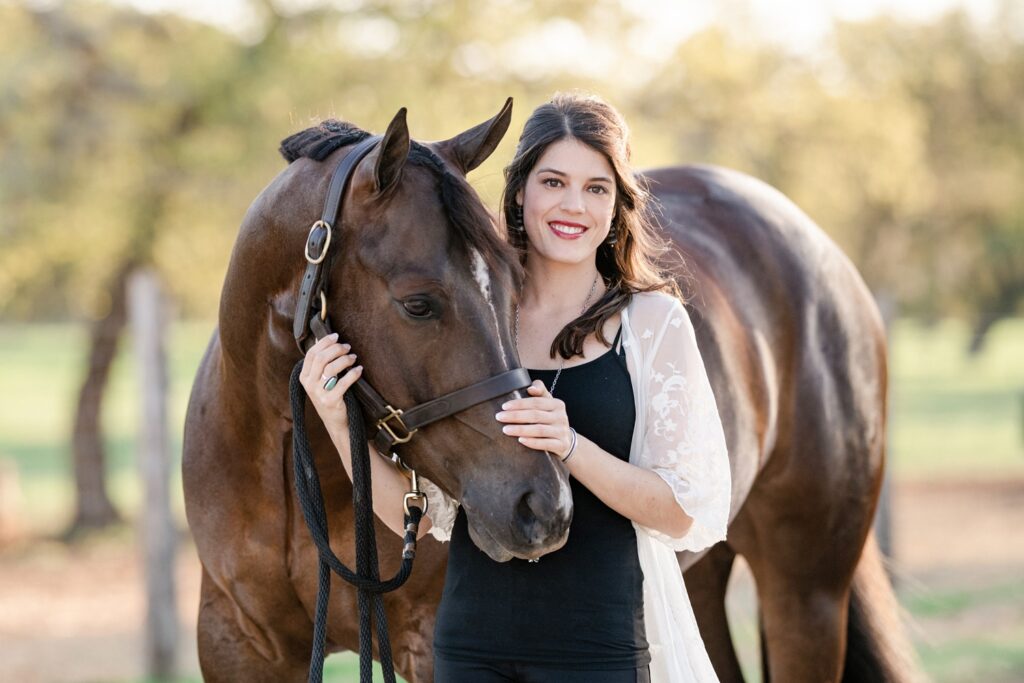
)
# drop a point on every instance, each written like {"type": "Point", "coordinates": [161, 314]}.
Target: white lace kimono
{"type": "Point", "coordinates": [678, 434]}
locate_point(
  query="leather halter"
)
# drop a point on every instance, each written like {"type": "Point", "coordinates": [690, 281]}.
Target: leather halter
{"type": "Point", "coordinates": [394, 426]}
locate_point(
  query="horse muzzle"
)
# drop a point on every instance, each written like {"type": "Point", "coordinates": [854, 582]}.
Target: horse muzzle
{"type": "Point", "coordinates": [524, 522]}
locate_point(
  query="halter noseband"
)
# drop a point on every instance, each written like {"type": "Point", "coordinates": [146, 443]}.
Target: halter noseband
{"type": "Point", "coordinates": [394, 426]}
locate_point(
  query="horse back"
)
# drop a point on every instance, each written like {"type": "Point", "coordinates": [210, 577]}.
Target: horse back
{"type": "Point", "coordinates": [790, 335]}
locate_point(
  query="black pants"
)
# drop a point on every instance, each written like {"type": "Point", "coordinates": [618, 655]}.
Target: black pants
{"type": "Point", "coordinates": [449, 671]}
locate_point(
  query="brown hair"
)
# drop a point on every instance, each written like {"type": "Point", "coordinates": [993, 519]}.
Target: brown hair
{"type": "Point", "coordinates": [629, 265]}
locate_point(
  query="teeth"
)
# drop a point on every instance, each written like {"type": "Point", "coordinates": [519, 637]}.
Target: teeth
{"type": "Point", "coordinates": [567, 229]}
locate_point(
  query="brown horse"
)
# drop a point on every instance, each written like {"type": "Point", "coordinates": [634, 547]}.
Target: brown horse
{"type": "Point", "coordinates": [795, 351]}
{"type": "Point", "coordinates": [427, 299]}
{"type": "Point", "coordinates": [791, 338]}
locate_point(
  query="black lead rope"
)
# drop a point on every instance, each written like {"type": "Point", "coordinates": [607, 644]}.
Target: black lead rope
{"type": "Point", "coordinates": [366, 578]}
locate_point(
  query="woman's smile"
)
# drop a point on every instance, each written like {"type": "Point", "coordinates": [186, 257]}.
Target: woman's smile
{"type": "Point", "coordinates": [567, 230]}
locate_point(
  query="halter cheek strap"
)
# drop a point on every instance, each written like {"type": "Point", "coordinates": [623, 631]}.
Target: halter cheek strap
{"type": "Point", "coordinates": [318, 244]}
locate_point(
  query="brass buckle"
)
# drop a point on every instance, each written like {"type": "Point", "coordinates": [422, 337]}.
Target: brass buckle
{"type": "Point", "coordinates": [395, 413]}
{"type": "Point", "coordinates": [323, 251]}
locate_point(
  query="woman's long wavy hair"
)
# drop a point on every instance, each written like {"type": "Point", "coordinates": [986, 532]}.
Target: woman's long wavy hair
{"type": "Point", "coordinates": [628, 266]}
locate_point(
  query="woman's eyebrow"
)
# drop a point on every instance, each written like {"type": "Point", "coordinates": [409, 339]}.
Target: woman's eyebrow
{"type": "Point", "coordinates": [548, 169]}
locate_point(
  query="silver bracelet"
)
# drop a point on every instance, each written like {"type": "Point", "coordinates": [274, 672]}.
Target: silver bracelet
{"type": "Point", "coordinates": [572, 448]}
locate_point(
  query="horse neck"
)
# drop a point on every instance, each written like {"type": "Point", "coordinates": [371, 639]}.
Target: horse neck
{"type": "Point", "coordinates": [258, 349]}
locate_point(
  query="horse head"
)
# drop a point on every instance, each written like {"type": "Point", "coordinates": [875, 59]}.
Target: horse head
{"type": "Point", "coordinates": [422, 287]}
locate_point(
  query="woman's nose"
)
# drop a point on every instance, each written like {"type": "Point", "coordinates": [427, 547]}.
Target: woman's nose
{"type": "Point", "coordinates": [572, 201]}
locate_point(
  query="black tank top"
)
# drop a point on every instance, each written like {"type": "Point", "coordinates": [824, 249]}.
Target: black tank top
{"type": "Point", "coordinates": [580, 606]}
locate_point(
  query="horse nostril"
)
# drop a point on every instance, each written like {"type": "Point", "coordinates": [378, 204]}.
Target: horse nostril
{"type": "Point", "coordinates": [527, 514]}
{"type": "Point", "coordinates": [540, 519]}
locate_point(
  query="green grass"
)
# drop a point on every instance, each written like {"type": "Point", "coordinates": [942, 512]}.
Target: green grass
{"type": "Point", "coordinates": [950, 415]}
{"type": "Point", "coordinates": [954, 602]}
{"type": "Point", "coordinates": [953, 415]}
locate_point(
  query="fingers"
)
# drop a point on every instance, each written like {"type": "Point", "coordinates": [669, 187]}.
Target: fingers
{"type": "Point", "coordinates": [524, 416]}
{"type": "Point", "coordinates": [338, 365]}
{"type": "Point", "coordinates": [534, 403]}
{"type": "Point", "coordinates": [537, 388]}
{"type": "Point", "coordinates": [327, 358]}
{"type": "Point", "coordinates": [545, 431]}
{"type": "Point", "coordinates": [348, 379]}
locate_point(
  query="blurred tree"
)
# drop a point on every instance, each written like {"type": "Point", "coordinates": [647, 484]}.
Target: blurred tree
{"type": "Point", "coordinates": [131, 138]}
{"type": "Point", "coordinates": [963, 82]}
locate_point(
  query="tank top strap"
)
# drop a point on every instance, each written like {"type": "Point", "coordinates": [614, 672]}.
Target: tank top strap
{"type": "Point", "coordinates": [616, 343]}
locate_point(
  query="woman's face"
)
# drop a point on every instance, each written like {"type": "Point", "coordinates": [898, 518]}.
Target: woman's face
{"type": "Point", "coordinates": [568, 202]}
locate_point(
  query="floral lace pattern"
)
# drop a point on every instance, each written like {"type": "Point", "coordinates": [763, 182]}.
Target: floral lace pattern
{"type": "Point", "coordinates": [679, 436]}
{"type": "Point", "coordinates": [441, 508]}
{"type": "Point", "coordinates": [684, 442]}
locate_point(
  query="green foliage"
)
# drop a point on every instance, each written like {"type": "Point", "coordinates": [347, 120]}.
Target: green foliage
{"type": "Point", "coordinates": [128, 135]}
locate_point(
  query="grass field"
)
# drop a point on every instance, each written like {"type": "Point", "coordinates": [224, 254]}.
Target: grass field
{"type": "Point", "coordinates": [950, 415]}
{"type": "Point", "coordinates": [952, 418]}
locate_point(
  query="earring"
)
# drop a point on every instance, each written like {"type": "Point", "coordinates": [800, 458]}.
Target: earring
{"type": "Point", "coordinates": [517, 220]}
{"type": "Point", "coordinates": [613, 236]}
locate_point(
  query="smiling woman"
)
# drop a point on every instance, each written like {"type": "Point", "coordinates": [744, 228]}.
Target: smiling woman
{"type": "Point", "coordinates": [619, 394]}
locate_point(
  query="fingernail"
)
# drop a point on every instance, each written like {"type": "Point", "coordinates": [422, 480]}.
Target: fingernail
{"type": "Point", "coordinates": [358, 368]}
{"type": "Point", "coordinates": [334, 336]}
{"type": "Point", "coordinates": [499, 416]}
{"type": "Point", "coordinates": [346, 347]}
{"type": "Point", "coordinates": [507, 428]}
{"type": "Point", "coordinates": [504, 406]}
{"type": "Point", "coordinates": [522, 439]}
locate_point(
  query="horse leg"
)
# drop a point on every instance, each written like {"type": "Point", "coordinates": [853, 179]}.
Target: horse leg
{"type": "Point", "coordinates": [807, 626]}
{"type": "Point", "coordinates": [233, 647]}
{"type": "Point", "coordinates": [706, 582]}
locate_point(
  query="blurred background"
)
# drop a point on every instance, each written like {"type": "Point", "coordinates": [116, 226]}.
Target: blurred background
{"type": "Point", "coordinates": [135, 133]}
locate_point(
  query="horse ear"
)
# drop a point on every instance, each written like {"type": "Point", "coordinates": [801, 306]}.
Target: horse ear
{"type": "Point", "coordinates": [393, 152]}
{"type": "Point", "coordinates": [469, 149]}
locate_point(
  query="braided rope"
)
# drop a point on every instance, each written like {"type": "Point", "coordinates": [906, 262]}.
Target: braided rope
{"type": "Point", "coordinates": [366, 578]}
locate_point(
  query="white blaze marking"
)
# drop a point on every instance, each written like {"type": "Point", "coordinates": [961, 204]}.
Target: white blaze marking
{"type": "Point", "coordinates": [564, 494]}
{"type": "Point", "coordinates": [483, 281]}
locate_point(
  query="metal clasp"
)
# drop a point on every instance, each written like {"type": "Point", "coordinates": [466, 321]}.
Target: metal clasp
{"type": "Point", "coordinates": [327, 244]}
{"type": "Point", "coordinates": [396, 414]}
{"type": "Point", "coordinates": [414, 493]}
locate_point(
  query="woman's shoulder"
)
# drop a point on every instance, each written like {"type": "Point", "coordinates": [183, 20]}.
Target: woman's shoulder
{"type": "Point", "coordinates": [651, 306]}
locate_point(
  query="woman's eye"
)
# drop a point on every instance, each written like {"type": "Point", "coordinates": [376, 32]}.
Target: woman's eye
{"type": "Point", "coordinates": [599, 189]}
{"type": "Point", "coordinates": [417, 308]}
{"type": "Point", "coordinates": [552, 182]}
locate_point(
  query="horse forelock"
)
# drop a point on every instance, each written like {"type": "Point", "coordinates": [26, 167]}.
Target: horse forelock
{"type": "Point", "coordinates": [472, 223]}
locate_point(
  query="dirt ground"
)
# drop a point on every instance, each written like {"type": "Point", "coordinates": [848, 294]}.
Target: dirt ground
{"type": "Point", "coordinates": [75, 613]}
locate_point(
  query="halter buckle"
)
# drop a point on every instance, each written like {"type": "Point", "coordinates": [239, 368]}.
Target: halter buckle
{"type": "Point", "coordinates": [323, 251]}
{"type": "Point", "coordinates": [395, 414]}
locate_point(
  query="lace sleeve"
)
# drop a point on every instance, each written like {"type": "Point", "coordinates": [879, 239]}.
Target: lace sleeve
{"type": "Point", "coordinates": [684, 441]}
{"type": "Point", "coordinates": [441, 508]}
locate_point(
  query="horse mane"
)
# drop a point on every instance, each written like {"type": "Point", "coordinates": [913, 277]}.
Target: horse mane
{"type": "Point", "coordinates": [472, 223]}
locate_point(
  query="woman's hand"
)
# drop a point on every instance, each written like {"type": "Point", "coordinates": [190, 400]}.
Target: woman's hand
{"type": "Point", "coordinates": [539, 421]}
{"type": "Point", "coordinates": [325, 359]}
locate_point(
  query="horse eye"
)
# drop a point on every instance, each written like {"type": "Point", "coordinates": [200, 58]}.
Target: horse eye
{"type": "Point", "coordinates": [417, 308]}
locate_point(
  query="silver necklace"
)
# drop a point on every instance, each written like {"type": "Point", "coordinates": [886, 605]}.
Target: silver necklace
{"type": "Point", "coordinates": [561, 364]}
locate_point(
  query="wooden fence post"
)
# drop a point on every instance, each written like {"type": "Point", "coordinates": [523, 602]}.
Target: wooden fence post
{"type": "Point", "coordinates": [883, 516]}
{"type": "Point", "coordinates": [156, 526]}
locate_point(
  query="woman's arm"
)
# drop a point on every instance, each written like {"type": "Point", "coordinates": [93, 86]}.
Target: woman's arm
{"type": "Point", "coordinates": [328, 358]}
{"type": "Point", "coordinates": [634, 492]}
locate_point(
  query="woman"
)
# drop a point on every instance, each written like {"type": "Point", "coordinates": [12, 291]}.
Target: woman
{"type": "Point", "coordinates": [620, 396]}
